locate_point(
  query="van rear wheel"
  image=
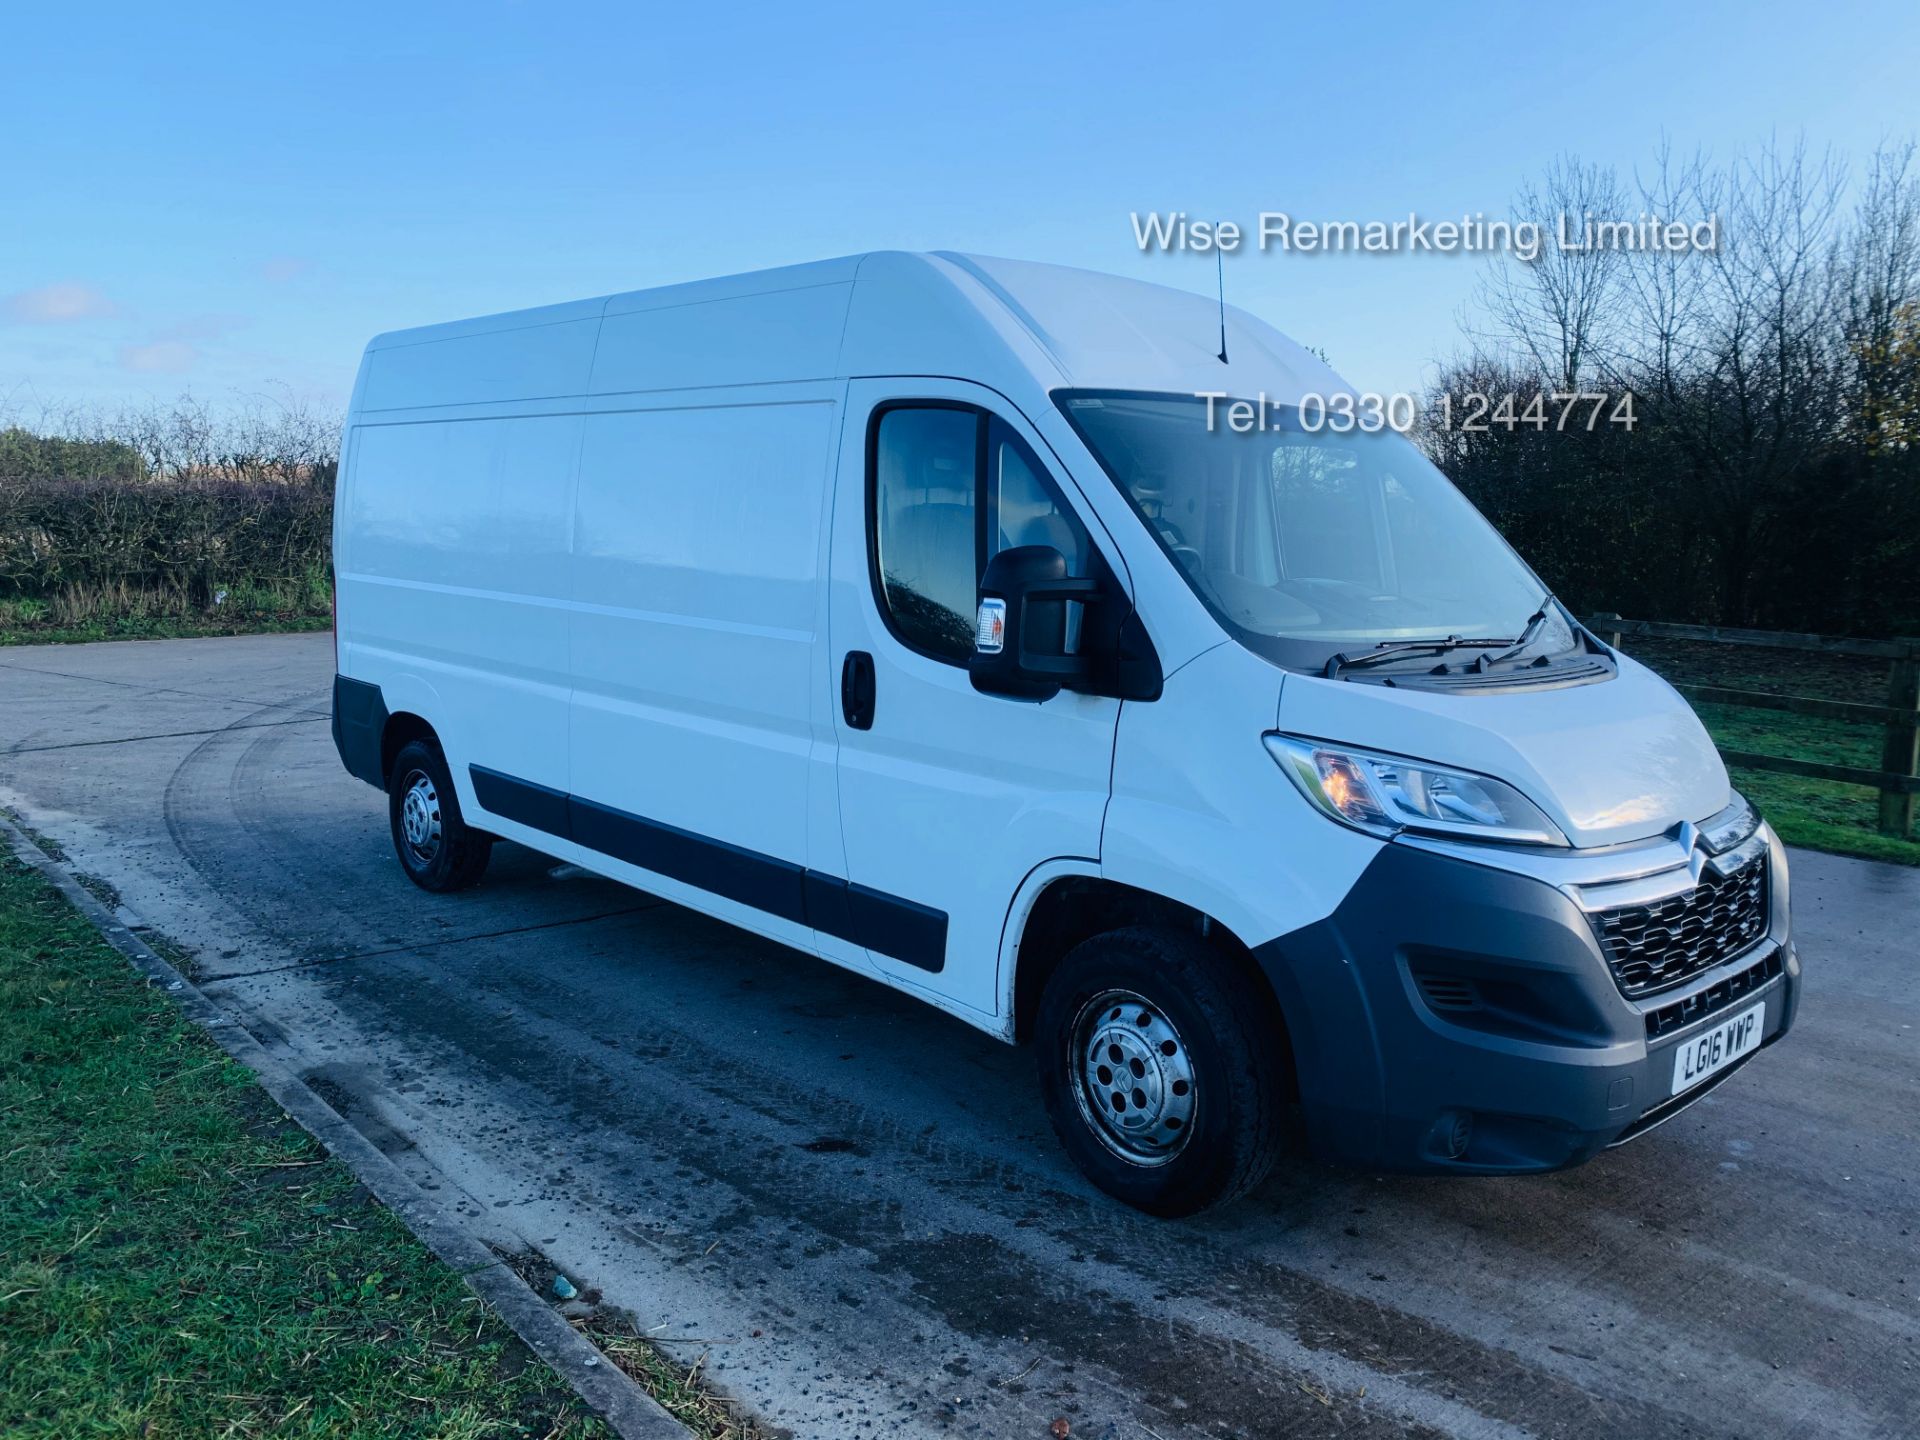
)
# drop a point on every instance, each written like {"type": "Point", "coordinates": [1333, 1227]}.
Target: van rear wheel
{"type": "Point", "coordinates": [1159, 1076]}
{"type": "Point", "coordinates": [437, 848]}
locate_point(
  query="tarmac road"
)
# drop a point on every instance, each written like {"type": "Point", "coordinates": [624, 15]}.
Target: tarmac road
{"type": "Point", "coordinates": [853, 1207]}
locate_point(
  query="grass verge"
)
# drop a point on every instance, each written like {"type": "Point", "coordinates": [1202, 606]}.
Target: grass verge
{"type": "Point", "coordinates": [678, 1386]}
{"type": "Point", "coordinates": [1819, 814]}
{"type": "Point", "coordinates": [177, 1259]}
{"type": "Point", "coordinates": [159, 627]}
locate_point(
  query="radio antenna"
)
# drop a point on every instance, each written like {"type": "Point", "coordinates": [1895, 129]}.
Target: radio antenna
{"type": "Point", "coordinates": [1220, 279]}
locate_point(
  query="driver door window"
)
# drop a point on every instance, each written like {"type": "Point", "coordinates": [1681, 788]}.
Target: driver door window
{"type": "Point", "coordinates": [949, 487]}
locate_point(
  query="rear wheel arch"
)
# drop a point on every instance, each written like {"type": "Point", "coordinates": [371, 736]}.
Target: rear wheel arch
{"type": "Point", "coordinates": [401, 730]}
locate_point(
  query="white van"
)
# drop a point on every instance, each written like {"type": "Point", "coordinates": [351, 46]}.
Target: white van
{"type": "Point", "coordinates": [905, 609]}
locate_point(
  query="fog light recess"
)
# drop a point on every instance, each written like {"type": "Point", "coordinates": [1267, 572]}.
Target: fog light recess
{"type": "Point", "coordinates": [1452, 1133]}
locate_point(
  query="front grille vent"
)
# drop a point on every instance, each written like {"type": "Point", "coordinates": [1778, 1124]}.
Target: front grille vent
{"type": "Point", "coordinates": [1654, 947]}
{"type": "Point", "coordinates": [1680, 1014]}
{"type": "Point", "coordinates": [1447, 992]}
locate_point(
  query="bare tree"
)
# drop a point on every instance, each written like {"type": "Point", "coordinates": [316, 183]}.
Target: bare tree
{"type": "Point", "coordinates": [1759, 410]}
{"type": "Point", "coordinates": [1878, 289]}
{"type": "Point", "coordinates": [1664, 293]}
{"type": "Point", "coordinates": [1556, 310]}
{"type": "Point", "coordinates": [1773, 476]}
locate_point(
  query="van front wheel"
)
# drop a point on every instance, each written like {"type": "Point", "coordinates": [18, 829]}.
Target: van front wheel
{"type": "Point", "coordinates": [1160, 1079]}
{"type": "Point", "coordinates": [437, 848]}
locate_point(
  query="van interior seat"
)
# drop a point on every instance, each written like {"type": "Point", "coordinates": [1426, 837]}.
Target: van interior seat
{"type": "Point", "coordinates": [1052, 529]}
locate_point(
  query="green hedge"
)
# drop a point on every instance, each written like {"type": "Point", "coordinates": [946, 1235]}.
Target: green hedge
{"type": "Point", "coordinates": [86, 547]}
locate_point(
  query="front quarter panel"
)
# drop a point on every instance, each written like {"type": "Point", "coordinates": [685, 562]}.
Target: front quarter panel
{"type": "Point", "coordinates": [1202, 814]}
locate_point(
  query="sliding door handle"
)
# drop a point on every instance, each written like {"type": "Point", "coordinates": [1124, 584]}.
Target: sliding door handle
{"type": "Point", "coordinates": [856, 690]}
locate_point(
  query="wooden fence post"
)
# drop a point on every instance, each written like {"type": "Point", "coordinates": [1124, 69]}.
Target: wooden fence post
{"type": "Point", "coordinates": [1613, 636]}
{"type": "Point", "coordinates": [1901, 756]}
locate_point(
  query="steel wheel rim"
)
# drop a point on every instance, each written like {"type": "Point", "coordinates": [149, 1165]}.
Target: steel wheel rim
{"type": "Point", "coordinates": [1133, 1077]}
{"type": "Point", "coordinates": [420, 828]}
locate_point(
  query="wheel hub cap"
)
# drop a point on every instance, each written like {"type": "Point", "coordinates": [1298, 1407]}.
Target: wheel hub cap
{"type": "Point", "coordinates": [1133, 1077]}
{"type": "Point", "coordinates": [420, 816]}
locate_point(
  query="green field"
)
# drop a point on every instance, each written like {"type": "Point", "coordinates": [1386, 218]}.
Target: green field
{"type": "Point", "coordinates": [1820, 814]}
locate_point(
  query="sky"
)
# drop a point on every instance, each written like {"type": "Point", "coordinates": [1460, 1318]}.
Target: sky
{"type": "Point", "coordinates": [230, 200]}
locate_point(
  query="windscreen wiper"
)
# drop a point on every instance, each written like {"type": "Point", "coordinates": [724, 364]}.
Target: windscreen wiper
{"type": "Point", "coordinates": [1535, 623]}
{"type": "Point", "coordinates": [1406, 649]}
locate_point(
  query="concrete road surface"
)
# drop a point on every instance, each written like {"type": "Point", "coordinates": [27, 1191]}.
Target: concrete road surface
{"type": "Point", "coordinates": [853, 1207]}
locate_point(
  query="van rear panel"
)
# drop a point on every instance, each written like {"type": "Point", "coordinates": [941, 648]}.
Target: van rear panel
{"type": "Point", "coordinates": [452, 577]}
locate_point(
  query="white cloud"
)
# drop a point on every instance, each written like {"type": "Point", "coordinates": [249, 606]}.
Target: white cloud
{"type": "Point", "coordinates": [162, 357]}
{"type": "Point", "coordinates": [57, 304]}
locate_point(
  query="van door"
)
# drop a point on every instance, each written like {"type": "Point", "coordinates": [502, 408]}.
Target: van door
{"type": "Point", "coordinates": [948, 797]}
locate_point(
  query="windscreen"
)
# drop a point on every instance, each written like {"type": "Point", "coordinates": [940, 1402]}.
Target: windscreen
{"type": "Point", "coordinates": [1309, 543]}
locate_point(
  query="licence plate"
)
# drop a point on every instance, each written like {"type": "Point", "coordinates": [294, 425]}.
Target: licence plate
{"type": "Point", "coordinates": [1717, 1048]}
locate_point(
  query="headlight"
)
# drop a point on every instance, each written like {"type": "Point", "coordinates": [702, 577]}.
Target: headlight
{"type": "Point", "coordinates": [1382, 794]}
{"type": "Point", "coordinates": [1731, 826]}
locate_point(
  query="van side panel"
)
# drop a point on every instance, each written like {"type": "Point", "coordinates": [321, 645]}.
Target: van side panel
{"type": "Point", "coordinates": [695, 619]}
{"type": "Point", "coordinates": [453, 584]}
{"type": "Point", "coordinates": [529, 362]}
{"type": "Point", "coordinates": [780, 336]}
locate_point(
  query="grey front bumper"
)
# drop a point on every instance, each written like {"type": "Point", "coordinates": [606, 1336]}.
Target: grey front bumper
{"type": "Point", "coordinates": [1548, 1064]}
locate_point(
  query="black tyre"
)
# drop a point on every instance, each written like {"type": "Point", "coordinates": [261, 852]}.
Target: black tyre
{"type": "Point", "coordinates": [1163, 1071]}
{"type": "Point", "coordinates": [438, 850]}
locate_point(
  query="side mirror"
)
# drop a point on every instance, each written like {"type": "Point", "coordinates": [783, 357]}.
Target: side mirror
{"type": "Point", "coordinates": [1020, 643]}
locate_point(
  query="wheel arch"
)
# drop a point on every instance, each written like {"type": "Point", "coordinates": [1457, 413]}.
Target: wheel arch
{"type": "Point", "coordinates": [401, 730]}
{"type": "Point", "coordinates": [408, 698]}
{"type": "Point", "coordinates": [1064, 903]}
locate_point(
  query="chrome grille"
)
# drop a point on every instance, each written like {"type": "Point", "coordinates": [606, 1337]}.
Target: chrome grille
{"type": "Point", "coordinates": [1652, 947]}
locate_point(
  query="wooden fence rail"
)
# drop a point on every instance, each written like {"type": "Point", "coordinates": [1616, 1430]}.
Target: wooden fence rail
{"type": "Point", "coordinates": [1897, 779]}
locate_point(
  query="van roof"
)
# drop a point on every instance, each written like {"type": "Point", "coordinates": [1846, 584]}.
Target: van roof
{"type": "Point", "coordinates": [1010, 324]}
